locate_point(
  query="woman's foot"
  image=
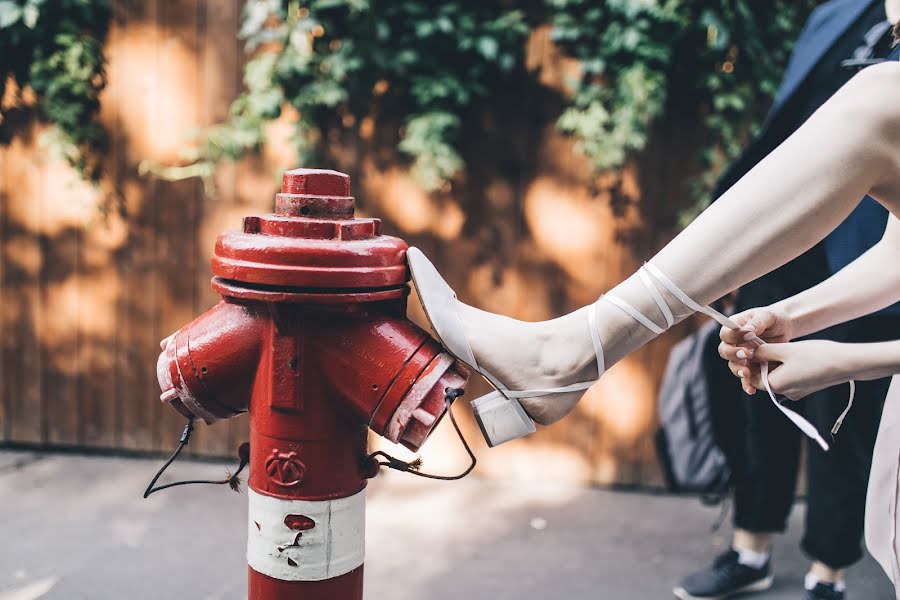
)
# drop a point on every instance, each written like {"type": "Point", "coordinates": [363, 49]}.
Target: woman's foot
{"type": "Point", "coordinates": [534, 355]}
{"type": "Point", "coordinates": [529, 362]}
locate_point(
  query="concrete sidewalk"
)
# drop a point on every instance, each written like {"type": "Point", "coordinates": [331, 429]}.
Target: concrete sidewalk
{"type": "Point", "coordinates": [76, 528]}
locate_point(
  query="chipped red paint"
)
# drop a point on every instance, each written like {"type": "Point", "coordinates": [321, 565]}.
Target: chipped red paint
{"type": "Point", "coordinates": [311, 337]}
{"type": "Point", "coordinates": [299, 522]}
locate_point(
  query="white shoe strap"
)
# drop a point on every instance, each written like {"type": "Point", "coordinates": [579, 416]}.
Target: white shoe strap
{"type": "Point", "coordinates": [634, 313]}
{"type": "Point", "coordinates": [657, 297]}
{"type": "Point", "coordinates": [595, 338]}
{"type": "Point", "coordinates": [801, 423]}
{"type": "Point", "coordinates": [574, 387]}
{"type": "Point", "coordinates": [638, 315]}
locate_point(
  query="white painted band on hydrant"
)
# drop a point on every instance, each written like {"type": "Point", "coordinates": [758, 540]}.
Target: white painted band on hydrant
{"type": "Point", "coordinates": [334, 546]}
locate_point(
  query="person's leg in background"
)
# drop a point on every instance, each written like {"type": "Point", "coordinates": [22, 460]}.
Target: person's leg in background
{"type": "Point", "coordinates": [764, 459]}
{"type": "Point", "coordinates": [837, 480]}
{"type": "Point", "coordinates": [765, 486]}
{"type": "Point", "coordinates": [765, 470]}
{"type": "Point", "coordinates": [765, 465]}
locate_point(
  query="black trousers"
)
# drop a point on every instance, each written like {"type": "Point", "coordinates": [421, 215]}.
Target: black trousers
{"type": "Point", "coordinates": [766, 470]}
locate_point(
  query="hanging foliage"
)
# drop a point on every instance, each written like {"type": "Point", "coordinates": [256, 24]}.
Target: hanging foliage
{"type": "Point", "coordinates": [52, 66]}
{"type": "Point", "coordinates": [725, 56]}
{"type": "Point", "coordinates": [429, 66]}
{"type": "Point", "coordinates": [337, 62]}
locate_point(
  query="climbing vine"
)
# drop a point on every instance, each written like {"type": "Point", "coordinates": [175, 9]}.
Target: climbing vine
{"type": "Point", "coordinates": [52, 67]}
{"type": "Point", "coordinates": [338, 64]}
{"type": "Point", "coordinates": [724, 56]}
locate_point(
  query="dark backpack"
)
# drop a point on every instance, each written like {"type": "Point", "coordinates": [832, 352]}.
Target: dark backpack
{"type": "Point", "coordinates": [699, 417]}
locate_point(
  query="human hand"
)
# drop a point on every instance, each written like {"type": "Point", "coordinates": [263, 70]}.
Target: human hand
{"type": "Point", "coordinates": [797, 369]}
{"type": "Point", "coordinates": [770, 324]}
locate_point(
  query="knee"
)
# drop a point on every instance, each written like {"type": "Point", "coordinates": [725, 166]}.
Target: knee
{"type": "Point", "coordinates": [874, 97]}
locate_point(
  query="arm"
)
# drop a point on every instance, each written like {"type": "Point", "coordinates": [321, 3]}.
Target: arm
{"type": "Point", "coordinates": [806, 367]}
{"type": "Point", "coordinates": [866, 285]}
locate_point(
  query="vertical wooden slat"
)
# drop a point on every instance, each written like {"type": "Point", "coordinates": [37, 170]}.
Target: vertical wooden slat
{"type": "Point", "coordinates": [176, 215]}
{"type": "Point", "coordinates": [218, 69]}
{"type": "Point", "coordinates": [23, 303]}
{"type": "Point", "coordinates": [101, 291]}
{"type": "Point", "coordinates": [5, 423]}
{"type": "Point", "coordinates": [60, 296]}
{"type": "Point", "coordinates": [137, 338]}
{"type": "Point", "coordinates": [232, 70]}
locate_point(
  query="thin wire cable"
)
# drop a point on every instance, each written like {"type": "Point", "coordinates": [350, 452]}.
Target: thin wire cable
{"type": "Point", "coordinates": [412, 467]}
{"type": "Point", "coordinates": [233, 480]}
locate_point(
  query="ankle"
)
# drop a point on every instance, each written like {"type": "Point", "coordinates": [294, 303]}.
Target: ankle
{"type": "Point", "coordinates": [811, 581]}
{"type": "Point", "coordinates": [760, 543]}
{"type": "Point", "coordinates": [750, 558]}
{"type": "Point", "coordinates": [565, 349]}
{"type": "Point", "coordinates": [619, 333]}
{"type": "Point", "coordinates": [820, 572]}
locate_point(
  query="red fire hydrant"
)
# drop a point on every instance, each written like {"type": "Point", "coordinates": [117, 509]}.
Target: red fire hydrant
{"type": "Point", "coordinates": [311, 336]}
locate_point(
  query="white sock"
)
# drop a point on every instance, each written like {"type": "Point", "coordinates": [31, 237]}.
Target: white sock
{"type": "Point", "coordinates": [749, 558]}
{"type": "Point", "coordinates": [811, 581]}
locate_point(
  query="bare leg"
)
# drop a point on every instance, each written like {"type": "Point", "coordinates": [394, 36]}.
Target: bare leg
{"type": "Point", "coordinates": [780, 209]}
{"type": "Point", "coordinates": [824, 573]}
{"type": "Point", "coordinates": [755, 542]}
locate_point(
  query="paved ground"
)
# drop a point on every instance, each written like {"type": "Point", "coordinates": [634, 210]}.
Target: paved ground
{"type": "Point", "coordinates": [76, 528]}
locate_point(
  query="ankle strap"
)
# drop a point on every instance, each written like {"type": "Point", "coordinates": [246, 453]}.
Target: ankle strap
{"type": "Point", "coordinates": [650, 275]}
{"type": "Point", "coordinates": [595, 338]}
{"type": "Point", "coordinates": [638, 315]}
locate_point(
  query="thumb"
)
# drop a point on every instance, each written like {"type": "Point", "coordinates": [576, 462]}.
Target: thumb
{"type": "Point", "coordinates": [770, 353]}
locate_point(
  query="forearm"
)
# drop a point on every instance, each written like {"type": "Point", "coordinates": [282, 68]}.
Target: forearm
{"type": "Point", "coordinates": [866, 285]}
{"type": "Point", "coordinates": [794, 197]}
{"type": "Point", "coordinates": [870, 361]}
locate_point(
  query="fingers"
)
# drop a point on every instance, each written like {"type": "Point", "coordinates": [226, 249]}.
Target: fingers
{"type": "Point", "coordinates": [753, 322]}
{"type": "Point", "coordinates": [742, 371]}
{"type": "Point", "coordinates": [755, 380]}
{"type": "Point", "coordinates": [770, 353]}
{"type": "Point", "coordinates": [744, 361]}
{"type": "Point", "coordinates": [734, 336]}
{"type": "Point", "coordinates": [737, 336]}
{"type": "Point", "coordinates": [760, 320]}
{"type": "Point", "coordinates": [779, 383]}
{"type": "Point", "coordinates": [748, 387]}
{"type": "Point", "coordinates": [734, 353]}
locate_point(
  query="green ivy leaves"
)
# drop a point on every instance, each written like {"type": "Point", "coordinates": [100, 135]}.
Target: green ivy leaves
{"type": "Point", "coordinates": [340, 61]}
{"type": "Point", "coordinates": [55, 47]}
{"type": "Point", "coordinates": [427, 65]}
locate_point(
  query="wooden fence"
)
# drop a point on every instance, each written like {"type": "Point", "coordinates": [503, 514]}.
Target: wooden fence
{"type": "Point", "coordinates": [92, 279]}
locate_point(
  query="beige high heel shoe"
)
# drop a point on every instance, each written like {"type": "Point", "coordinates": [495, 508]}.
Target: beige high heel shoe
{"type": "Point", "coordinates": [500, 414]}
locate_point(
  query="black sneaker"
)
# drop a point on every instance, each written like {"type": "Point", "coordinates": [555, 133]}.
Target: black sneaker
{"type": "Point", "coordinates": [824, 591]}
{"type": "Point", "coordinates": [725, 578]}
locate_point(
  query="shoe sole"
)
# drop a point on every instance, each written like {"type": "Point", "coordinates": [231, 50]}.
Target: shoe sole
{"type": "Point", "coordinates": [759, 586]}
{"type": "Point", "coordinates": [499, 423]}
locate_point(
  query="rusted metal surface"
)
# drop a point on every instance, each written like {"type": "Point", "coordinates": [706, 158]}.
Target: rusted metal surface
{"type": "Point", "coordinates": [312, 339]}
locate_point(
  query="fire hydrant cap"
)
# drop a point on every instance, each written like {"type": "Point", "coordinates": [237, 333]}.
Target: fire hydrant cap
{"type": "Point", "coordinates": [312, 242]}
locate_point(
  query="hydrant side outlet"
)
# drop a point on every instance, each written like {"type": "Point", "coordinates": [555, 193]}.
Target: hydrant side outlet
{"type": "Point", "coordinates": [312, 339]}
